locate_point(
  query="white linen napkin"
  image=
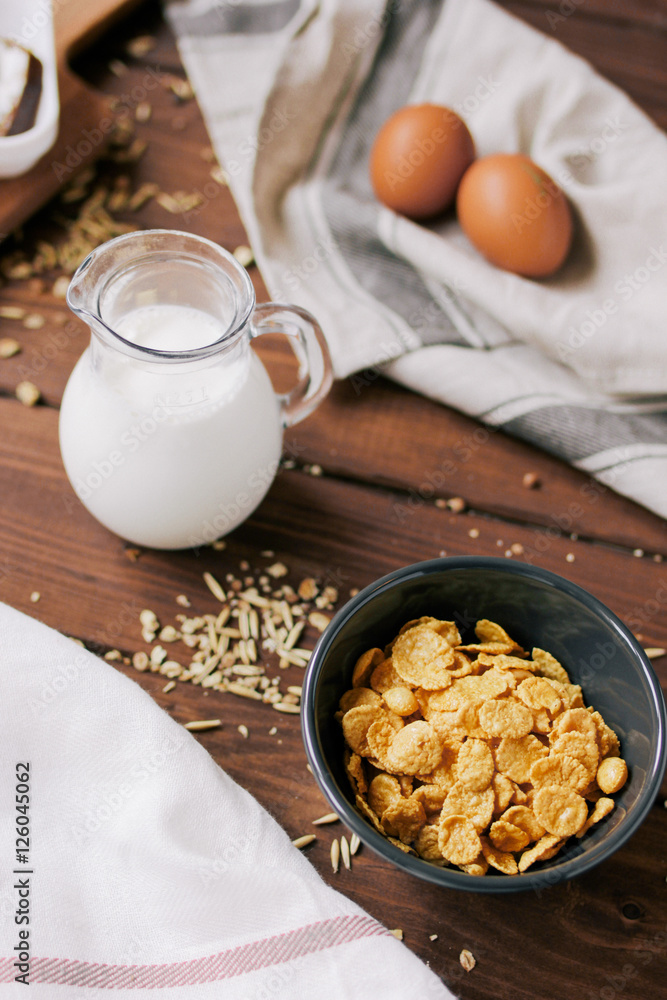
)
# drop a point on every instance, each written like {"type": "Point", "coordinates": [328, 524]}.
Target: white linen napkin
{"type": "Point", "coordinates": [294, 93]}
{"type": "Point", "coordinates": [147, 867]}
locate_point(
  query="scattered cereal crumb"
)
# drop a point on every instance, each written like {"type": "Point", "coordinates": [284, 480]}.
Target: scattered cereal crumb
{"type": "Point", "coordinates": [531, 481]}
{"type": "Point", "coordinates": [657, 558]}
{"type": "Point", "coordinates": [638, 553]}
{"type": "Point", "coordinates": [140, 661]}
{"type": "Point", "coordinates": [304, 841]}
{"type": "Point", "coordinates": [277, 570]}
{"type": "Point", "coordinates": [200, 725]}
{"type": "Point", "coordinates": [473, 533]}
{"type": "Point", "coordinates": [315, 470]}
{"type": "Point", "coordinates": [569, 557]}
{"type": "Point", "coordinates": [354, 591]}
{"type": "Point", "coordinates": [397, 932]}
{"type": "Point", "coordinates": [140, 46]}
{"type": "Point", "coordinates": [440, 503]}
{"type": "Point", "coordinates": [60, 286]}
{"type": "Point", "coordinates": [244, 255]}
{"type": "Point", "coordinates": [118, 67]}
{"type": "Point", "coordinates": [169, 686]}
{"type": "Point", "coordinates": [183, 601]}
{"type": "Point", "coordinates": [143, 112]}
{"type": "Point", "coordinates": [35, 596]}
{"type": "Point", "coordinates": [457, 505]}
{"type": "Point", "coordinates": [272, 731]}
{"type": "Point", "coordinates": [243, 730]}
{"type": "Point", "coordinates": [113, 654]}
{"type": "Point", "coordinates": [9, 347]}
{"type": "Point", "coordinates": [27, 393]}
{"type": "Point", "coordinates": [516, 548]}
{"type": "Point", "coordinates": [132, 554]}
{"type": "Point", "coordinates": [433, 937]}
{"type": "Point", "coordinates": [467, 960]}
{"type": "Point", "coordinates": [34, 321]}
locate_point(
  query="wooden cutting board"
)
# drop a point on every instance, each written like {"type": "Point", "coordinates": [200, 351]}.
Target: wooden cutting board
{"type": "Point", "coordinates": [77, 24]}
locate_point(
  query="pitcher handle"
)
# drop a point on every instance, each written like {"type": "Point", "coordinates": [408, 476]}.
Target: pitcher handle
{"type": "Point", "coordinates": [308, 343]}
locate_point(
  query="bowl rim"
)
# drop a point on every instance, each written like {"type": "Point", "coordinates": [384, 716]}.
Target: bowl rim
{"type": "Point", "coordinates": [449, 877]}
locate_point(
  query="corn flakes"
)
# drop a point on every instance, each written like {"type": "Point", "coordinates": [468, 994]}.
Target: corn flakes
{"type": "Point", "coordinates": [475, 754]}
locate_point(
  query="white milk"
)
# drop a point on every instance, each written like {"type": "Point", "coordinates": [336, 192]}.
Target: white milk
{"type": "Point", "coordinates": [153, 450]}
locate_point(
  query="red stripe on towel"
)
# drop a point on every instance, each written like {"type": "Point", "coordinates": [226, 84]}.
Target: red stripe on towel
{"type": "Point", "coordinates": [261, 954]}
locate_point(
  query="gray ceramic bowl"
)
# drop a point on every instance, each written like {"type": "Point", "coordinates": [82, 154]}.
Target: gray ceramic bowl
{"type": "Point", "coordinates": [537, 608]}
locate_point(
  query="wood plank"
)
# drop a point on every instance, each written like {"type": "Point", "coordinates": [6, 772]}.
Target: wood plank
{"type": "Point", "coordinates": [627, 50]}
{"type": "Point", "coordinates": [315, 525]}
{"type": "Point", "coordinates": [378, 414]}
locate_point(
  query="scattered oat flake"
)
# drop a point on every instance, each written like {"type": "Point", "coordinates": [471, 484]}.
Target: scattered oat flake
{"type": "Point", "coordinates": [214, 587]}
{"type": "Point", "coordinates": [287, 708]}
{"type": "Point", "coordinates": [12, 312]}
{"type": "Point", "coordinates": [355, 844]}
{"type": "Point", "coordinates": [27, 393]}
{"type": "Point", "coordinates": [655, 652]}
{"type": "Point", "coordinates": [327, 818]}
{"type": "Point", "coordinates": [9, 347]}
{"type": "Point", "coordinates": [272, 731]}
{"type": "Point", "coordinates": [397, 933]}
{"type": "Point", "coordinates": [335, 856]}
{"type": "Point", "coordinates": [35, 596]}
{"type": "Point", "coordinates": [200, 725]}
{"type": "Point", "coordinates": [318, 620]}
{"type": "Point", "coordinates": [345, 853]}
{"type": "Point", "coordinates": [467, 960]}
{"type": "Point", "coordinates": [169, 687]}
{"type": "Point", "coordinates": [433, 937]}
{"type": "Point", "coordinates": [304, 841]}
{"type": "Point", "coordinates": [243, 730]}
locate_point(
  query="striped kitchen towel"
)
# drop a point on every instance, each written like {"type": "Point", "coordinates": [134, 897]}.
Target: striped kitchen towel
{"type": "Point", "coordinates": [132, 863]}
{"type": "Point", "coordinates": [294, 93]}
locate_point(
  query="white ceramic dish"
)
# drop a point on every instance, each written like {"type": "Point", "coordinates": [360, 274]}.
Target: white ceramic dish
{"type": "Point", "coordinates": [30, 23]}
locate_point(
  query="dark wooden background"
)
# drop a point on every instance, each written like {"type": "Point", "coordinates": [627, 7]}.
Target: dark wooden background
{"type": "Point", "coordinates": [603, 935]}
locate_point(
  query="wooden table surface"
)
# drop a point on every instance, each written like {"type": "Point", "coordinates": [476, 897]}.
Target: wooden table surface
{"type": "Point", "coordinates": [373, 508]}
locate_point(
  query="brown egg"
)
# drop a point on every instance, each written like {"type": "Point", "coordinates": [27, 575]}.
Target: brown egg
{"type": "Point", "coordinates": [515, 214]}
{"type": "Point", "coordinates": [418, 158]}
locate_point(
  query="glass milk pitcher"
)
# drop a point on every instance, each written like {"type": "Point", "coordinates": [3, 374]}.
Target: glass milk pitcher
{"type": "Point", "coordinates": [170, 430]}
